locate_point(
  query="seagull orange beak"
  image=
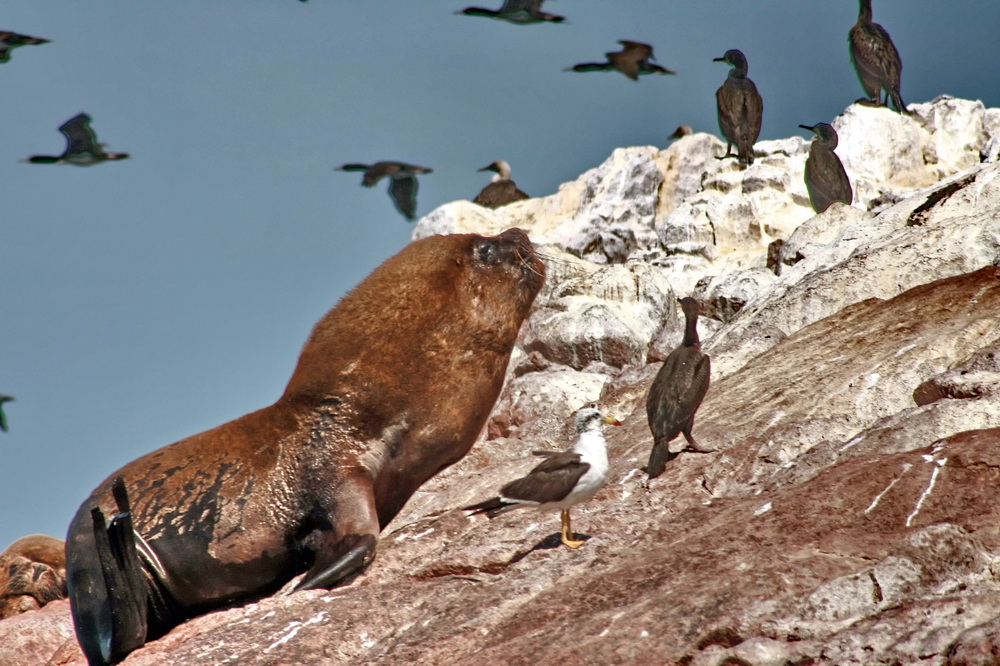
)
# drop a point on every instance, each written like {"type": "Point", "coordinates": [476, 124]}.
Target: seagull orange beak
{"type": "Point", "coordinates": [610, 420]}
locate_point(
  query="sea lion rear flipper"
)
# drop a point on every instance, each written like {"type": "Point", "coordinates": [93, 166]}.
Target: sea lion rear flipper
{"type": "Point", "coordinates": [353, 553]}
{"type": "Point", "coordinates": [123, 580]}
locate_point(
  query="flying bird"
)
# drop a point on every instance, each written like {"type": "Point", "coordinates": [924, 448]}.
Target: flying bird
{"type": "Point", "coordinates": [402, 183]}
{"type": "Point", "coordinates": [516, 11]}
{"type": "Point", "coordinates": [3, 417]}
{"type": "Point", "coordinates": [11, 40]}
{"type": "Point", "coordinates": [677, 392]}
{"type": "Point", "coordinates": [740, 108]}
{"type": "Point", "coordinates": [82, 148]}
{"type": "Point", "coordinates": [502, 190]}
{"type": "Point", "coordinates": [563, 479]}
{"type": "Point", "coordinates": [876, 60]}
{"type": "Point", "coordinates": [825, 176]}
{"type": "Point", "coordinates": [631, 61]}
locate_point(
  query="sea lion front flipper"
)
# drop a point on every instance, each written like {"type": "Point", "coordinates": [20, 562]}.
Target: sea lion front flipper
{"type": "Point", "coordinates": [355, 552]}
{"type": "Point", "coordinates": [126, 599]}
{"type": "Point", "coordinates": [346, 545]}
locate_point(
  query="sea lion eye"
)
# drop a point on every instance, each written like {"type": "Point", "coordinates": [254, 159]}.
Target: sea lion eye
{"type": "Point", "coordinates": [487, 253]}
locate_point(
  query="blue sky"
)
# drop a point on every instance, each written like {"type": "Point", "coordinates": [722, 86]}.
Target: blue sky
{"type": "Point", "coordinates": [150, 299]}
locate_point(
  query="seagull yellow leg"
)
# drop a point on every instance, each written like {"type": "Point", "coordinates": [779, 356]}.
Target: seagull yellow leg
{"type": "Point", "coordinates": [567, 531]}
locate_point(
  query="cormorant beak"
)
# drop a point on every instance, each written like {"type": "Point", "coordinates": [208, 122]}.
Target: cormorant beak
{"type": "Point", "coordinates": [722, 59]}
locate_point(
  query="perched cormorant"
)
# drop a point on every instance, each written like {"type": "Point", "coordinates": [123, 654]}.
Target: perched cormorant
{"type": "Point", "coordinates": [677, 392]}
{"type": "Point", "coordinates": [631, 61]}
{"type": "Point", "coordinates": [876, 60]}
{"type": "Point", "coordinates": [563, 479]}
{"type": "Point", "coordinates": [740, 108]}
{"type": "Point", "coordinates": [516, 11]}
{"type": "Point", "coordinates": [402, 186]}
{"type": "Point", "coordinates": [11, 40]}
{"type": "Point", "coordinates": [502, 190]}
{"type": "Point", "coordinates": [3, 417]}
{"type": "Point", "coordinates": [82, 148]}
{"type": "Point", "coordinates": [825, 177]}
{"type": "Point", "coordinates": [681, 131]}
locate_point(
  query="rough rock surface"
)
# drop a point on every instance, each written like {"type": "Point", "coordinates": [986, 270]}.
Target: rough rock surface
{"type": "Point", "coordinates": [848, 514]}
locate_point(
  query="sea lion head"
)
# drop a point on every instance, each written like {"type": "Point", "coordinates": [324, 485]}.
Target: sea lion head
{"type": "Point", "coordinates": [440, 299]}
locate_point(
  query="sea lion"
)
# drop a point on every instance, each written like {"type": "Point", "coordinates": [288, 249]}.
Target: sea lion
{"type": "Point", "coordinates": [32, 573]}
{"type": "Point", "coordinates": [393, 386]}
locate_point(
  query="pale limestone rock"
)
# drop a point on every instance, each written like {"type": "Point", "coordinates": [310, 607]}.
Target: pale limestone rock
{"type": "Point", "coordinates": [722, 297]}
{"type": "Point", "coordinates": [606, 315]}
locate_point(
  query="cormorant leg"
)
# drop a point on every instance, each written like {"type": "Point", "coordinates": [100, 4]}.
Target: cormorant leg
{"type": "Point", "coordinates": [567, 531]}
{"type": "Point", "coordinates": [658, 459]}
{"type": "Point", "coordinates": [347, 545]}
{"type": "Point", "coordinates": [693, 446]}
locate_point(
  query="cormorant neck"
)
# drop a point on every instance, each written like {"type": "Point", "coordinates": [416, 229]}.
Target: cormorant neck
{"type": "Point", "coordinates": [865, 13]}
{"type": "Point", "coordinates": [691, 330]}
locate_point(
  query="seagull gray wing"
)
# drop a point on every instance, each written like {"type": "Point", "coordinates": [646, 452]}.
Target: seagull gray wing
{"type": "Point", "coordinates": [550, 481]}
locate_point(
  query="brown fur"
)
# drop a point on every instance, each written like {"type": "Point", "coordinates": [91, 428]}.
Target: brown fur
{"type": "Point", "coordinates": [32, 573]}
{"type": "Point", "coordinates": [393, 385]}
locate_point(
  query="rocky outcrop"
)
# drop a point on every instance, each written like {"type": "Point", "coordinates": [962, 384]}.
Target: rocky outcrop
{"type": "Point", "coordinates": [848, 513]}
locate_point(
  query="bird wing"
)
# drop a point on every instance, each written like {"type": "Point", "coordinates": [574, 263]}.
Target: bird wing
{"type": "Point", "coordinates": [826, 178]}
{"type": "Point", "coordinates": [875, 58]}
{"type": "Point", "coordinates": [498, 194]}
{"type": "Point", "coordinates": [677, 392]}
{"type": "Point", "coordinates": [80, 138]}
{"type": "Point", "coordinates": [512, 6]}
{"type": "Point", "coordinates": [550, 481]}
{"type": "Point", "coordinates": [740, 111]}
{"type": "Point", "coordinates": [627, 61]}
{"type": "Point", "coordinates": [3, 420]}
{"type": "Point", "coordinates": [403, 191]}
{"type": "Point", "coordinates": [638, 49]}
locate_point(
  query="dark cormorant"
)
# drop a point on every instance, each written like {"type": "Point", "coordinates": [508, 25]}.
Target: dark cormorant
{"type": "Point", "coordinates": [825, 177]}
{"type": "Point", "coordinates": [402, 186]}
{"type": "Point", "coordinates": [876, 60]}
{"type": "Point", "coordinates": [563, 480]}
{"type": "Point", "coordinates": [3, 417]}
{"type": "Point", "coordinates": [677, 392]}
{"type": "Point", "coordinates": [516, 11]}
{"type": "Point", "coordinates": [681, 131]}
{"type": "Point", "coordinates": [82, 148]}
{"type": "Point", "coordinates": [740, 108]}
{"type": "Point", "coordinates": [11, 40]}
{"type": "Point", "coordinates": [631, 61]}
{"type": "Point", "coordinates": [502, 190]}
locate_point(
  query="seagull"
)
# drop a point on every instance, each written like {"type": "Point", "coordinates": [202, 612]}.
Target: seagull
{"type": "Point", "coordinates": [82, 148]}
{"type": "Point", "coordinates": [740, 108]}
{"type": "Point", "coordinates": [825, 176]}
{"type": "Point", "coordinates": [631, 61]}
{"type": "Point", "coordinates": [11, 40]}
{"type": "Point", "coordinates": [502, 190]}
{"type": "Point", "coordinates": [876, 60]}
{"type": "Point", "coordinates": [677, 392]}
{"type": "Point", "coordinates": [563, 479]}
{"type": "Point", "coordinates": [516, 11]}
{"type": "Point", "coordinates": [402, 187]}
{"type": "Point", "coordinates": [3, 417]}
